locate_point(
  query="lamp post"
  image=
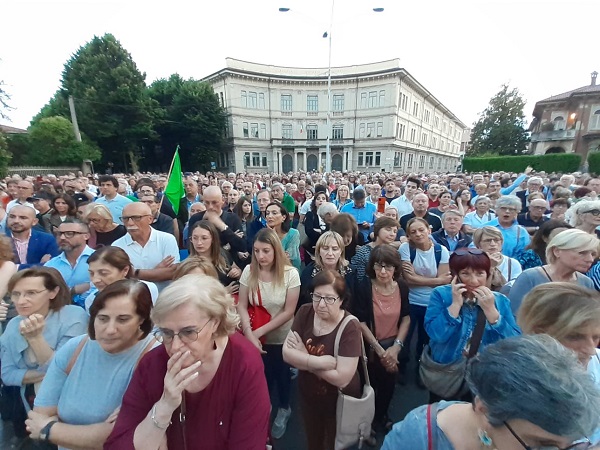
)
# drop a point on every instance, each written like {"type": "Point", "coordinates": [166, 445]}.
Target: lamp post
{"type": "Point", "coordinates": [328, 35]}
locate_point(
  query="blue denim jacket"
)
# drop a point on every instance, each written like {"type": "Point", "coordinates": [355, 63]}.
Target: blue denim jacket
{"type": "Point", "coordinates": [449, 336]}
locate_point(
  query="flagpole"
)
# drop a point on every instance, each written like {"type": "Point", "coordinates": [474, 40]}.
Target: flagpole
{"type": "Point", "coordinates": [168, 176]}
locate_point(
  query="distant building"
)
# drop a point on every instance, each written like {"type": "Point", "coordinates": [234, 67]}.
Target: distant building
{"type": "Point", "coordinates": [568, 122]}
{"type": "Point", "coordinates": [382, 119]}
{"type": "Point", "coordinates": [11, 130]}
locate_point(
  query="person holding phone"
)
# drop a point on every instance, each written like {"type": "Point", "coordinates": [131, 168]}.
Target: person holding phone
{"type": "Point", "coordinates": [453, 309]}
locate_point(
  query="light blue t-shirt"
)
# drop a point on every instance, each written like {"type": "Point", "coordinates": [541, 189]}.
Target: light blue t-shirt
{"type": "Point", "coordinates": [115, 206]}
{"type": "Point", "coordinates": [425, 266]}
{"type": "Point", "coordinates": [96, 384]}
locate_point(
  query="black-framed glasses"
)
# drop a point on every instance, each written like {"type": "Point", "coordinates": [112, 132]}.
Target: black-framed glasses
{"type": "Point", "coordinates": [467, 251]}
{"type": "Point", "coordinates": [134, 218]}
{"type": "Point", "coordinates": [581, 444]}
{"type": "Point", "coordinates": [69, 234]}
{"type": "Point", "coordinates": [593, 212]}
{"type": "Point", "coordinates": [328, 300]}
{"type": "Point", "coordinates": [387, 267]}
{"type": "Point", "coordinates": [186, 335]}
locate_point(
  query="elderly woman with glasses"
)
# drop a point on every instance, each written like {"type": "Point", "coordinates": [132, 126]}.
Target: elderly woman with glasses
{"type": "Point", "coordinates": [505, 270]}
{"type": "Point", "coordinates": [455, 309]}
{"type": "Point", "coordinates": [204, 387]}
{"type": "Point", "coordinates": [585, 216]}
{"type": "Point", "coordinates": [516, 237]}
{"type": "Point", "coordinates": [309, 347]}
{"type": "Point", "coordinates": [103, 230]}
{"type": "Point", "coordinates": [380, 302]}
{"type": "Point", "coordinates": [570, 254]}
{"type": "Point", "coordinates": [529, 393]}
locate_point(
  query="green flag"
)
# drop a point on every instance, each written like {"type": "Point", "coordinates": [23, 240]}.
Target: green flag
{"type": "Point", "coordinates": [175, 190]}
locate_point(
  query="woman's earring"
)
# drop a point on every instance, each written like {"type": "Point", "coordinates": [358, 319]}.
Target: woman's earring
{"type": "Point", "coordinates": [214, 345]}
{"type": "Point", "coordinates": [485, 439]}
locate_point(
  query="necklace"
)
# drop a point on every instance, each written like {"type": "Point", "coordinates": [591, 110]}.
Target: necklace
{"type": "Point", "coordinates": [383, 294]}
{"type": "Point", "coordinates": [325, 327]}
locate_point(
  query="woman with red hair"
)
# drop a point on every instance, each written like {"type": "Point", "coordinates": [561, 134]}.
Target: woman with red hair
{"type": "Point", "coordinates": [453, 311]}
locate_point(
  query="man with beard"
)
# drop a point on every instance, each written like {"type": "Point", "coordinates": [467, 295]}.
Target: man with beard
{"type": "Point", "coordinates": [153, 254]}
{"type": "Point", "coordinates": [72, 264]}
{"type": "Point", "coordinates": [31, 247]}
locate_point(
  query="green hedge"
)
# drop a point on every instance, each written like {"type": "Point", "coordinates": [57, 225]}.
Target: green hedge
{"type": "Point", "coordinates": [594, 162]}
{"type": "Point", "coordinates": [563, 162]}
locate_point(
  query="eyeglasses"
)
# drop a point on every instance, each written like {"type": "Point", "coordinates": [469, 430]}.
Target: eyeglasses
{"type": "Point", "coordinates": [378, 267]}
{"type": "Point", "coordinates": [490, 240]}
{"type": "Point", "coordinates": [328, 300]}
{"type": "Point", "coordinates": [134, 218]}
{"type": "Point", "coordinates": [69, 234]}
{"type": "Point", "coordinates": [187, 335]}
{"type": "Point", "coordinates": [507, 209]}
{"type": "Point", "coordinates": [467, 251]}
{"type": "Point", "coordinates": [580, 444]}
{"type": "Point", "coordinates": [593, 212]}
{"type": "Point", "coordinates": [14, 296]}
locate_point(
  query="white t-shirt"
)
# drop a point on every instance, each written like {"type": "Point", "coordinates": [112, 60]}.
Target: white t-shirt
{"type": "Point", "coordinates": [159, 246]}
{"type": "Point", "coordinates": [94, 292]}
{"type": "Point", "coordinates": [425, 266]}
{"type": "Point", "coordinates": [515, 269]}
{"type": "Point", "coordinates": [403, 205]}
{"type": "Point", "coordinates": [273, 299]}
{"type": "Point", "coordinates": [305, 206]}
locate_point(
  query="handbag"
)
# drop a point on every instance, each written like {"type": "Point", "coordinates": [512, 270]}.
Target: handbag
{"type": "Point", "coordinates": [258, 315]}
{"type": "Point", "coordinates": [448, 380]}
{"type": "Point", "coordinates": [353, 416]}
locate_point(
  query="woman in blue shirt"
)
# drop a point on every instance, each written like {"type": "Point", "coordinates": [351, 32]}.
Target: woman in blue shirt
{"type": "Point", "coordinates": [452, 312]}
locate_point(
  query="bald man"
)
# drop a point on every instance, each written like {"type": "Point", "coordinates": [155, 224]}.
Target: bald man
{"type": "Point", "coordinates": [31, 247]}
{"type": "Point", "coordinates": [153, 254]}
{"type": "Point", "coordinates": [228, 224]}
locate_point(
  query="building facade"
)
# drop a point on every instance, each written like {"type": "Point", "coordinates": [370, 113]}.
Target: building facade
{"type": "Point", "coordinates": [568, 122]}
{"type": "Point", "coordinates": [382, 120]}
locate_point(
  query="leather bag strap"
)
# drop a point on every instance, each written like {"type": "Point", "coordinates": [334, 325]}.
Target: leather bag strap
{"type": "Point", "coordinates": [477, 333]}
{"type": "Point", "coordinates": [75, 355]}
{"type": "Point", "coordinates": [363, 356]}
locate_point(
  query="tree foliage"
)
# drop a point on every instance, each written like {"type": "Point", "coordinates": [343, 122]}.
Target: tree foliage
{"type": "Point", "coordinates": [560, 162]}
{"type": "Point", "coordinates": [111, 100]}
{"type": "Point", "coordinates": [54, 143]}
{"type": "Point", "coordinates": [4, 155]}
{"type": "Point", "coordinates": [501, 126]}
{"type": "Point", "coordinates": [189, 115]}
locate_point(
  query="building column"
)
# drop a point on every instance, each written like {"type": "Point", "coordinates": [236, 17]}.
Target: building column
{"type": "Point", "coordinates": [344, 156]}
{"type": "Point", "coordinates": [295, 163]}
{"type": "Point", "coordinates": [304, 159]}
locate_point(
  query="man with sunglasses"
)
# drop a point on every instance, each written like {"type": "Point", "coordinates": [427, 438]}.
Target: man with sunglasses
{"type": "Point", "coordinates": [153, 254]}
{"type": "Point", "coordinates": [72, 264]}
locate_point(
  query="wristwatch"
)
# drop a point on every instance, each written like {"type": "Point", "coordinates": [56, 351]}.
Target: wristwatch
{"type": "Point", "coordinates": [399, 342]}
{"type": "Point", "coordinates": [45, 432]}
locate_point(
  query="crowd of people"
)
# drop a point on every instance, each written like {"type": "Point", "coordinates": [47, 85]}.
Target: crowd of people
{"type": "Point", "coordinates": [131, 321]}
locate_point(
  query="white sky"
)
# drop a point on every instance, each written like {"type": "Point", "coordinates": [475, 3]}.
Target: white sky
{"type": "Point", "coordinates": [461, 50]}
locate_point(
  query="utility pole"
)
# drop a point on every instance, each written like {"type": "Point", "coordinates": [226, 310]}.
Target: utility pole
{"type": "Point", "coordinates": [74, 119]}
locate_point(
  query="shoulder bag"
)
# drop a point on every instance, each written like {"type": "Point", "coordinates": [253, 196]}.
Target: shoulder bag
{"type": "Point", "coordinates": [448, 380]}
{"type": "Point", "coordinates": [258, 315]}
{"type": "Point", "coordinates": [353, 416]}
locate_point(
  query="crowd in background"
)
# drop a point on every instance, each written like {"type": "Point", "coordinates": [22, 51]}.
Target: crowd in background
{"type": "Point", "coordinates": [132, 321]}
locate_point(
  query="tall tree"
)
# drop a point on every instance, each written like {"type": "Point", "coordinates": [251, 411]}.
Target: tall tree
{"type": "Point", "coordinates": [111, 100]}
{"type": "Point", "coordinates": [4, 155]}
{"type": "Point", "coordinates": [54, 144]}
{"type": "Point", "coordinates": [501, 127]}
{"type": "Point", "coordinates": [191, 116]}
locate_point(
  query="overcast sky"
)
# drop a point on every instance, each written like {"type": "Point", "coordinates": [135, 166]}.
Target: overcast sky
{"type": "Point", "coordinates": [461, 51]}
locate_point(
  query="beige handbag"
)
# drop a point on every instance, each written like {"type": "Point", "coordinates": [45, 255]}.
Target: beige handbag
{"type": "Point", "coordinates": [353, 415]}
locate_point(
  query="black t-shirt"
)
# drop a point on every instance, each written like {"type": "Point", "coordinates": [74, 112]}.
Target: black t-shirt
{"type": "Point", "coordinates": [106, 239]}
{"type": "Point", "coordinates": [526, 221]}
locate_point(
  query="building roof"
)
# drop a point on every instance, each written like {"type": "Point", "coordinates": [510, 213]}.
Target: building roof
{"type": "Point", "coordinates": [282, 73]}
{"type": "Point", "coordinates": [11, 130]}
{"type": "Point", "coordinates": [589, 89]}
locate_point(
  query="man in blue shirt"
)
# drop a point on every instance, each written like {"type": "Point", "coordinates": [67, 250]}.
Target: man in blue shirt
{"type": "Point", "coordinates": [72, 262]}
{"type": "Point", "coordinates": [363, 212]}
{"type": "Point", "coordinates": [111, 199]}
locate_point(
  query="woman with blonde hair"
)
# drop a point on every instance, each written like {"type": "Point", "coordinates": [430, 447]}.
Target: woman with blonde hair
{"type": "Point", "coordinates": [198, 265]}
{"type": "Point", "coordinates": [272, 282]}
{"type": "Point", "coordinates": [204, 387]}
{"type": "Point", "coordinates": [329, 255]}
{"type": "Point", "coordinates": [505, 270]}
{"type": "Point", "coordinates": [103, 229]}
{"type": "Point", "coordinates": [570, 254]}
{"type": "Point", "coordinates": [585, 215]}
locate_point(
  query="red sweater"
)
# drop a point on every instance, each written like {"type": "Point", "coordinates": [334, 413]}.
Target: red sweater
{"type": "Point", "coordinates": [232, 412]}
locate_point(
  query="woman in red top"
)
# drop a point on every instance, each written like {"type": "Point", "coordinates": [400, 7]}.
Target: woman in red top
{"type": "Point", "coordinates": [205, 387]}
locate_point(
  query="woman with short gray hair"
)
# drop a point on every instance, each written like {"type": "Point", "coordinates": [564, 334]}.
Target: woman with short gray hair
{"type": "Point", "coordinates": [540, 397]}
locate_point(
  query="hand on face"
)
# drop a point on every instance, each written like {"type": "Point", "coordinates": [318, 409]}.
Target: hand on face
{"type": "Point", "coordinates": [177, 379]}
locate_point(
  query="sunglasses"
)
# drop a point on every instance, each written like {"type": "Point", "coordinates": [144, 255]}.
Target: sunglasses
{"type": "Point", "coordinates": [467, 251]}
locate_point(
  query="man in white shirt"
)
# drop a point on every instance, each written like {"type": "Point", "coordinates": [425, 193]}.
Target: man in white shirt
{"type": "Point", "coordinates": [153, 254]}
{"type": "Point", "coordinates": [404, 203]}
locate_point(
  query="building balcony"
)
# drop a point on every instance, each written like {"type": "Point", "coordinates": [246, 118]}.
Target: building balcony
{"type": "Point", "coordinates": [302, 143]}
{"type": "Point", "coordinates": [286, 113]}
{"type": "Point", "coordinates": [554, 135]}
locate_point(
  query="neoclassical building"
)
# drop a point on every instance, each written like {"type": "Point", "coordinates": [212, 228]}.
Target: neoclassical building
{"type": "Point", "coordinates": [382, 119]}
{"type": "Point", "coordinates": [568, 122]}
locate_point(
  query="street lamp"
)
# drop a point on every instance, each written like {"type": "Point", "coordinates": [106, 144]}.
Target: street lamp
{"type": "Point", "coordinates": [328, 35]}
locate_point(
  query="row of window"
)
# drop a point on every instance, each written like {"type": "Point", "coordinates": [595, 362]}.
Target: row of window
{"type": "Point", "coordinates": [426, 116]}
{"type": "Point", "coordinates": [560, 123]}
{"type": "Point", "coordinates": [255, 159]}
{"type": "Point", "coordinates": [371, 159]}
{"type": "Point", "coordinates": [425, 140]}
{"type": "Point", "coordinates": [259, 131]}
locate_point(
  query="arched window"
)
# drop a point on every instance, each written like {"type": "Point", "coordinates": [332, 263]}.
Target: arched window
{"type": "Point", "coordinates": [595, 122]}
{"type": "Point", "coordinates": [559, 123]}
